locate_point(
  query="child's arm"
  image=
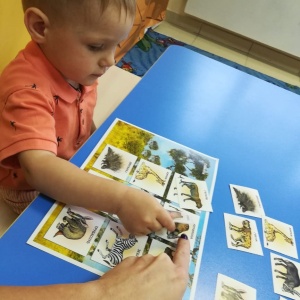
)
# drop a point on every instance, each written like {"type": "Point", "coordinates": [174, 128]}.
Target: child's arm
{"type": "Point", "coordinates": [59, 179]}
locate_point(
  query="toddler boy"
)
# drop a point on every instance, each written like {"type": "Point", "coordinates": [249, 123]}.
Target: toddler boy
{"type": "Point", "coordinates": [47, 97]}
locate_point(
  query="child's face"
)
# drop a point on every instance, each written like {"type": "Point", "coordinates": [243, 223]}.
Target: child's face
{"type": "Point", "coordinates": [83, 52]}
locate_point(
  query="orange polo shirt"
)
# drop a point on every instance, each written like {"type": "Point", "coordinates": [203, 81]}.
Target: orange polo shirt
{"type": "Point", "coordinates": [41, 111]}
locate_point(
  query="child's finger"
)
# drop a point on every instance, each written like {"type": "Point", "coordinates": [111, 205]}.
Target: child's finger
{"type": "Point", "coordinates": [166, 220]}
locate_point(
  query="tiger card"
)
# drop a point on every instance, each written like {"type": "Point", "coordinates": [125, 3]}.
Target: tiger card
{"type": "Point", "coordinates": [279, 237]}
{"type": "Point", "coordinates": [242, 234]}
{"type": "Point", "coordinates": [246, 201]}
{"type": "Point", "coordinates": [285, 275]}
{"type": "Point", "coordinates": [229, 288]}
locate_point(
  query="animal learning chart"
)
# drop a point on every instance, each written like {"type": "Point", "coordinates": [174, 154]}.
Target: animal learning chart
{"type": "Point", "coordinates": [97, 241]}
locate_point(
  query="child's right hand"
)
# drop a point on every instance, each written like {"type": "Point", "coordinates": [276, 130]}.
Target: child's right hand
{"type": "Point", "coordinates": [141, 214]}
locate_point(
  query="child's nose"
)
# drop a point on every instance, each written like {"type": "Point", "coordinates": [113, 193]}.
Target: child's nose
{"type": "Point", "coordinates": [108, 61]}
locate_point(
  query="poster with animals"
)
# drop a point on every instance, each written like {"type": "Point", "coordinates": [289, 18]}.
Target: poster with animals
{"type": "Point", "coordinates": [181, 179]}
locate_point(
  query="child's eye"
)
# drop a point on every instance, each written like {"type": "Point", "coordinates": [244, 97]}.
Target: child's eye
{"type": "Point", "coordinates": [95, 48]}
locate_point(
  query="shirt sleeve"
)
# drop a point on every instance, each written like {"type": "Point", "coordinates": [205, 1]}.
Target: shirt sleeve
{"type": "Point", "coordinates": [26, 123]}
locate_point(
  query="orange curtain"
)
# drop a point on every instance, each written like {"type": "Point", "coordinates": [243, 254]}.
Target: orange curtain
{"type": "Point", "coordinates": [148, 13]}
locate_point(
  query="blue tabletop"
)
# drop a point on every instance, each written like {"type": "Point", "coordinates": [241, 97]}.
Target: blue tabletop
{"type": "Point", "coordinates": [252, 126]}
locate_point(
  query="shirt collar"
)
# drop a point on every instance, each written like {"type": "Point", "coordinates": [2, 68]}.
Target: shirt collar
{"type": "Point", "coordinates": [58, 84]}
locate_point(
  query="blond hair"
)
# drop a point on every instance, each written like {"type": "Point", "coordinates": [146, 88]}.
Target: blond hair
{"type": "Point", "coordinates": [61, 10]}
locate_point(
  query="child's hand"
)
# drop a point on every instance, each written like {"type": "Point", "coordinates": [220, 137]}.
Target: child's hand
{"type": "Point", "coordinates": [141, 214]}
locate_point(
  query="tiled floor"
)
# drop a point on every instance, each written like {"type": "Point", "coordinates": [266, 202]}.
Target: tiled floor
{"type": "Point", "coordinates": [117, 83]}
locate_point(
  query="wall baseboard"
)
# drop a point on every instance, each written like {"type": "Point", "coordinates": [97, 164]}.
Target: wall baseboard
{"type": "Point", "coordinates": [251, 48]}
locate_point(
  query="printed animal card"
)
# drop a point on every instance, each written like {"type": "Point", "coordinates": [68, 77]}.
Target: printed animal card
{"type": "Point", "coordinates": [115, 162]}
{"type": "Point", "coordinates": [246, 201]}
{"type": "Point", "coordinates": [151, 177]}
{"type": "Point", "coordinates": [117, 243]}
{"type": "Point", "coordinates": [279, 237]}
{"type": "Point", "coordinates": [229, 288]}
{"type": "Point", "coordinates": [182, 215]}
{"type": "Point", "coordinates": [158, 247]}
{"type": "Point", "coordinates": [75, 228]}
{"type": "Point", "coordinates": [285, 275]}
{"type": "Point", "coordinates": [173, 193]}
{"type": "Point", "coordinates": [242, 234]}
{"type": "Point", "coordinates": [281, 298]}
{"type": "Point", "coordinates": [188, 225]}
{"type": "Point", "coordinates": [192, 194]}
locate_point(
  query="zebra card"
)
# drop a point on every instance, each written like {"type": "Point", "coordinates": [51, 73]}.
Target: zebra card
{"type": "Point", "coordinates": [229, 288]}
{"type": "Point", "coordinates": [246, 201]}
{"type": "Point", "coordinates": [192, 194]}
{"type": "Point", "coordinates": [285, 275]}
{"type": "Point", "coordinates": [279, 237]}
{"type": "Point", "coordinates": [116, 244]}
{"type": "Point", "coordinates": [242, 234]}
{"type": "Point", "coordinates": [151, 177]}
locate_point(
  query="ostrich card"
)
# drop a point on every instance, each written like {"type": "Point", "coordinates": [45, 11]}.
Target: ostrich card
{"type": "Point", "coordinates": [192, 194]}
{"type": "Point", "coordinates": [279, 237]}
{"type": "Point", "coordinates": [285, 275]}
{"type": "Point", "coordinates": [229, 288]}
{"type": "Point", "coordinates": [246, 201]}
{"type": "Point", "coordinates": [242, 234]}
{"type": "Point", "coordinates": [151, 177]}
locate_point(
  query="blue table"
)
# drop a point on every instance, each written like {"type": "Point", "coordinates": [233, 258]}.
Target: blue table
{"type": "Point", "coordinates": [253, 128]}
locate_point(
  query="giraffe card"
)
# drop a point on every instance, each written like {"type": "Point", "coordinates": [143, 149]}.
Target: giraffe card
{"type": "Point", "coordinates": [279, 237]}
{"type": "Point", "coordinates": [192, 194]}
{"type": "Point", "coordinates": [229, 288]}
{"type": "Point", "coordinates": [115, 162]}
{"type": "Point", "coordinates": [151, 177]}
{"type": "Point", "coordinates": [242, 234]}
{"type": "Point", "coordinates": [117, 243]}
{"type": "Point", "coordinates": [246, 201]}
{"type": "Point", "coordinates": [285, 275]}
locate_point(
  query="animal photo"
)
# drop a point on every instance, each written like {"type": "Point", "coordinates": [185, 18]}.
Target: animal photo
{"type": "Point", "coordinates": [246, 201]}
{"type": "Point", "coordinates": [75, 228]}
{"type": "Point", "coordinates": [242, 234]}
{"type": "Point", "coordinates": [115, 162]}
{"type": "Point", "coordinates": [286, 280]}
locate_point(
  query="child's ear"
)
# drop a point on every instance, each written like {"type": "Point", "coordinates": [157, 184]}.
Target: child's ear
{"type": "Point", "coordinates": [36, 23]}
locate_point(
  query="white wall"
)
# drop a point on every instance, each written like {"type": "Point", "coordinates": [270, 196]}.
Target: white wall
{"type": "Point", "coordinates": [275, 23]}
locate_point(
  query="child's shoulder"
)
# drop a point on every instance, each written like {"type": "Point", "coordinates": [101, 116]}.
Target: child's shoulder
{"type": "Point", "coordinates": [27, 69]}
